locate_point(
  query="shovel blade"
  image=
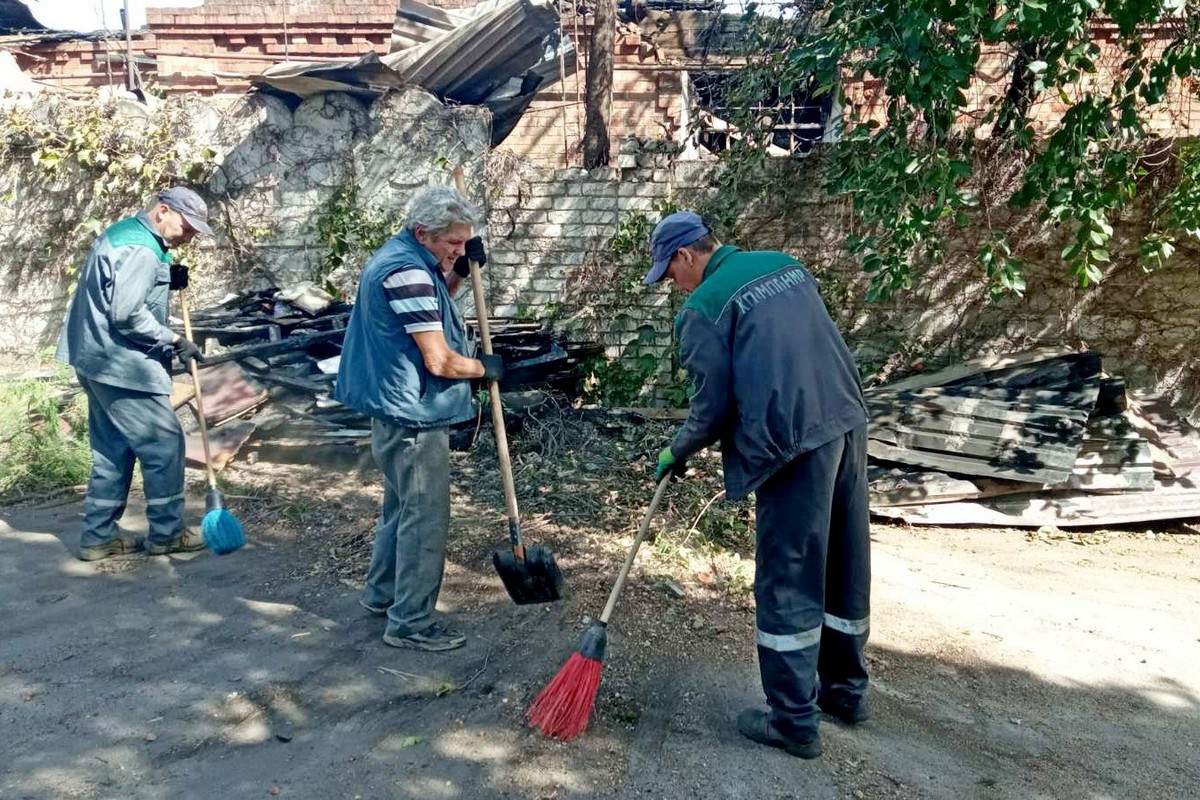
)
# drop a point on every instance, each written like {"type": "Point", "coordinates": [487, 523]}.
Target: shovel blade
{"type": "Point", "coordinates": [537, 579]}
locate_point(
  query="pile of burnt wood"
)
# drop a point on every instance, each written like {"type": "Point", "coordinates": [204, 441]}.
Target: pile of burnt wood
{"type": "Point", "coordinates": [271, 359]}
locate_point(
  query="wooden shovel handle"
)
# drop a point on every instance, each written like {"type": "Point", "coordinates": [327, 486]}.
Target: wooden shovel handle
{"type": "Point", "coordinates": [485, 337]}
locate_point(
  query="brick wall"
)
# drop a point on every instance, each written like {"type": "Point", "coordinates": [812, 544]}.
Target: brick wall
{"type": "Point", "coordinates": [1177, 115]}
{"type": "Point", "coordinates": [195, 45]}
{"type": "Point", "coordinates": [246, 36]}
{"type": "Point", "coordinates": [84, 63]}
{"type": "Point", "coordinates": [646, 101]}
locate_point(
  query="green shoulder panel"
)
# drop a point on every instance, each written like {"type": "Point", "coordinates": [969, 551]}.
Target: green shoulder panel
{"type": "Point", "coordinates": [131, 232]}
{"type": "Point", "coordinates": [734, 271]}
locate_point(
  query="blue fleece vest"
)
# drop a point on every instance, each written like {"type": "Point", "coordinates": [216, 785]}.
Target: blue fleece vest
{"type": "Point", "coordinates": [382, 373]}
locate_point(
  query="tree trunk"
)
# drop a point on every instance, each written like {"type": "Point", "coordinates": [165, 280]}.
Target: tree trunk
{"type": "Point", "coordinates": [599, 86]}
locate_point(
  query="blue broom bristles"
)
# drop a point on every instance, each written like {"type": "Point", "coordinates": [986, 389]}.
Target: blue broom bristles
{"type": "Point", "coordinates": [222, 530]}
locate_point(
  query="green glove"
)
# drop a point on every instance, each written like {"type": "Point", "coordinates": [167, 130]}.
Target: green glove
{"type": "Point", "coordinates": [667, 463]}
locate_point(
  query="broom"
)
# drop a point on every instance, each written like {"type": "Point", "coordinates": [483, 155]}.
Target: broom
{"type": "Point", "coordinates": [563, 708]}
{"type": "Point", "coordinates": [222, 531]}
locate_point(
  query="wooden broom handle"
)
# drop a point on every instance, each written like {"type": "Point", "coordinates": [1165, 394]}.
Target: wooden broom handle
{"type": "Point", "coordinates": [485, 337]}
{"type": "Point", "coordinates": [187, 331]}
{"type": "Point", "coordinates": [633, 550]}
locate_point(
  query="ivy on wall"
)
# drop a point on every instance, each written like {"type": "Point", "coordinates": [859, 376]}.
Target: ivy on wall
{"type": "Point", "coordinates": [118, 159]}
{"type": "Point", "coordinates": [349, 232]}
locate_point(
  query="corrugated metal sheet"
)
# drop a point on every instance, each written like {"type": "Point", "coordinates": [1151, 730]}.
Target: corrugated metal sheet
{"type": "Point", "coordinates": [1032, 436]}
{"type": "Point", "coordinates": [499, 58]}
{"type": "Point", "coordinates": [1040, 438]}
{"type": "Point", "coordinates": [1167, 500]}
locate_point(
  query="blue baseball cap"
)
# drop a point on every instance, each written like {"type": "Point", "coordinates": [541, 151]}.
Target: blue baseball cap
{"type": "Point", "coordinates": [675, 231]}
{"type": "Point", "coordinates": [189, 205]}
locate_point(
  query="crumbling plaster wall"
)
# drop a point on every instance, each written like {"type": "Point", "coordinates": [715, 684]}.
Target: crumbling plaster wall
{"type": "Point", "coordinates": [277, 168]}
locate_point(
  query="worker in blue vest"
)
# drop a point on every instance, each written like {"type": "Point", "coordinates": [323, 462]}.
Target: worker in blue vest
{"type": "Point", "coordinates": [116, 337]}
{"type": "Point", "coordinates": [775, 384]}
{"type": "Point", "coordinates": [408, 362]}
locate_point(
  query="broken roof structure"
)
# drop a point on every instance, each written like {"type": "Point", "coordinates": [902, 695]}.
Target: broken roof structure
{"type": "Point", "coordinates": [497, 55]}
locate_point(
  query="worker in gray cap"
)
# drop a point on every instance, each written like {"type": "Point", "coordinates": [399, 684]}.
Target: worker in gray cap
{"type": "Point", "coordinates": [775, 383]}
{"type": "Point", "coordinates": [116, 337]}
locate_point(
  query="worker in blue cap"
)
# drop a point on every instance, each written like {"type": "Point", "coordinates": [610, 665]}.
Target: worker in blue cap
{"type": "Point", "coordinates": [116, 337]}
{"type": "Point", "coordinates": [776, 385]}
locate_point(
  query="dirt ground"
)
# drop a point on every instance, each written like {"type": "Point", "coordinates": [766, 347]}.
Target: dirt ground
{"type": "Point", "coordinates": [1005, 664]}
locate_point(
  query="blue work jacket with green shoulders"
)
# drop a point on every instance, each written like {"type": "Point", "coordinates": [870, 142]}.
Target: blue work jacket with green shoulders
{"type": "Point", "coordinates": [772, 377]}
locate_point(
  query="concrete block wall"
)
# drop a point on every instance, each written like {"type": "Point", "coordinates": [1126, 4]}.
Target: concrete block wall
{"type": "Point", "coordinates": [550, 256]}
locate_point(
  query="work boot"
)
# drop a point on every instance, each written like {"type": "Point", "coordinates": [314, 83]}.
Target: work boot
{"type": "Point", "coordinates": [756, 725]}
{"type": "Point", "coordinates": [846, 710]}
{"type": "Point", "coordinates": [189, 541]}
{"type": "Point", "coordinates": [122, 544]}
{"type": "Point", "coordinates": [435, 638]}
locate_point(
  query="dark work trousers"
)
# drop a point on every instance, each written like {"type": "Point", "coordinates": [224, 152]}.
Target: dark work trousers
{"type": "Point", "coordinates": [126, 426]}
{"type": "Point", "coordinates": [409, 555]}
{"type": "Point", "coordinates": [813, 582]}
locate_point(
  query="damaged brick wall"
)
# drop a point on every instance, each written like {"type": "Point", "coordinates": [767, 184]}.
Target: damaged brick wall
{"type": "Point", "coordinates": [204, 49]}
{"type": "Point", "coordinates": [551, 232]}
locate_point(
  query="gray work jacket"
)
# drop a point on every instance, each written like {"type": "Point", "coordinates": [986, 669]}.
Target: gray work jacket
{"type": "Point", "coordinates": [115, 331]}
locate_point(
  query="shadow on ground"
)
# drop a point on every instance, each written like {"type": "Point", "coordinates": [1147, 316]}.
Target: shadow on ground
{"type": "Point", "coordinates": [206, 677]}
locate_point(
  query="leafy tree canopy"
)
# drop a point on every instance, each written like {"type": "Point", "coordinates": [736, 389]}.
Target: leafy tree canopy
{"type": "Point", "coordinates": [909, 167]}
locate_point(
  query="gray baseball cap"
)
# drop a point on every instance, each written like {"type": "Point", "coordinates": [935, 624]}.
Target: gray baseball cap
{"type": "Point", "coordinates": [189, 205]}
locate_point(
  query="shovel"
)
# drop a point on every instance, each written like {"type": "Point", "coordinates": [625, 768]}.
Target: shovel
{"type": "Point", "coordinates": [529, 573]}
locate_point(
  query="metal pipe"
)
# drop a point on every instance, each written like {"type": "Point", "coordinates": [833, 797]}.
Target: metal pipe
{"type": "Point", "coordinates": [129, 84]}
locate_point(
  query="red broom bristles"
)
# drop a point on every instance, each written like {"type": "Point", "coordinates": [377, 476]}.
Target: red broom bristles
{"type": "Point", "coordinates": [563, 708]}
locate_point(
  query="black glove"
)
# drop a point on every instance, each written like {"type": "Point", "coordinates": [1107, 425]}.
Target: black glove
{"type": "Point", "coordinates": [475, 252]}
{"type": "Point", "coordinates": [179, 277]}
{"type": "Point", "coordinates": [493, 367]}
{"type": "Point", "coordinates": [187, 351]}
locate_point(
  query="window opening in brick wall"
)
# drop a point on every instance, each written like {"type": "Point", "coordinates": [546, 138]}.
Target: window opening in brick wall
{"type": "Point", "coordinates": [798, 121]}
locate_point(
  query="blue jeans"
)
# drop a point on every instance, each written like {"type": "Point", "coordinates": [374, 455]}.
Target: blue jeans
{"type": "Point", "coordinates": [125, 426]}
{"type": "Point", "coordinates": [409, 555]}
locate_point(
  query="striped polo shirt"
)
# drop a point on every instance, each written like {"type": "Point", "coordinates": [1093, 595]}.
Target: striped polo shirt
{"type": "Point", "coordinates": [411, 294]}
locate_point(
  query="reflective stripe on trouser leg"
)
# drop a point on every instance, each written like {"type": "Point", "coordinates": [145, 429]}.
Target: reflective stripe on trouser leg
{"type": "Point", "coordinates": [792, 531]}
{"type": "Point", "coordinates": [112, 472]}
{"type": "Point", "coordinates": [150, 432]}
{"type": "Point", "coordinates": [842, 668]}
{"type": "Point", "coordinates": [414, 525]}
